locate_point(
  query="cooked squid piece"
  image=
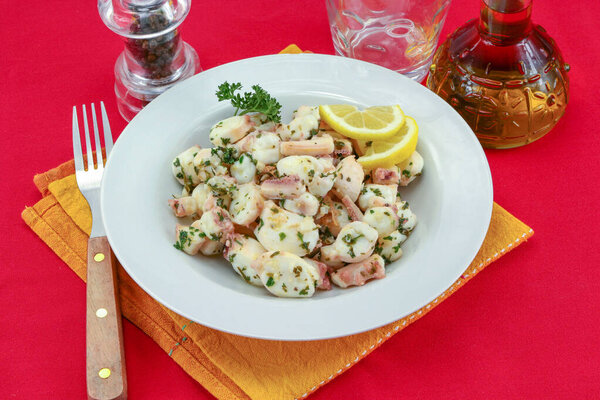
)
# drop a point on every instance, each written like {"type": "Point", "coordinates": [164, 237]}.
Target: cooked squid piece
{"type": "Point", "coordinates": [246, 204]}
{"type": "Point", "coordinates": [191, 240]}
{"type": "Point", "coordinates": [318, 174]}
{"type": "Point", "coordinates": [183, 168]}
{"type": "Point", "coordinates": [230, 130]}
{"type": "Point", "coordinates": [408, 220]}
{"type": "Point", "coordinates": [342, 147]}
{"type": "Point", "coordinates": [318, 145]}
{"type": "Point", "coordinates": [411, 168]}
{"type": "Point", "coordinates": [306, 205]}
{"type": "Point", "coordinates": [221, 188]}
{"type": "Point", "coordinates": [386, 176]}
{"type": "Point", "coordinates": [353, 211]}
{"type": "Point", "coordinates": [216, 224]}
{"type": "Point", "coordinates": [383, 219]}
{"type": "Point", "coordinates": [357, 274]}
{"type": "Point", "coordinates": [336, 218]}
{"type": "Point", "coordinates": [286, 275]}
{"type": "Point", "coordinates": [208, 163]}
{"type": "Point", "coordinates": [388, 247]}
{"type": "Point", "coordinates": [190, 205]}
{"type": "Point", "coordinates": [354, 243]}
{"type": "Point", "coordinates": [288, 187]}
{"type": "Point", "coordinates": [279, 229]}
{"type": "Point", "coordinates": [241, 251]}
{"type": "Point", "coordinates": [265, 147]}
{"type": "Point", "coordinates": [370, 191]}
{"type": "Point", "coordinates": [349, 178]}
{"type": "Point", "coordinates": [303, 126]}
{"type": "Point", "coordinates": [244, 168]}
{"type": "Point", "coordinates": [323, 282]}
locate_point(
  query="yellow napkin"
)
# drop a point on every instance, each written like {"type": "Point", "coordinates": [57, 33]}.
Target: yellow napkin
{"type": "Point", "coordinates": [230, 366]}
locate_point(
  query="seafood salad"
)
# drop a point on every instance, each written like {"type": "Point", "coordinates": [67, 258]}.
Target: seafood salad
{"type": "Point", "coordinates": [290, 206]}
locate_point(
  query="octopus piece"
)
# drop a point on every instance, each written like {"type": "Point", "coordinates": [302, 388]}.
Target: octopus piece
{"type": "Point", "coordinates": [357, 274]}
{"type": "Point", "coordinates": [262, 123]}
{"type": "Point", "coordinates": [349, 177]}
{"type": "Point", "coordinates": [329, 256]}
{"type": "Point", "coordinates": [279, 229]}
{"type": "Point", "coordinates": [183, 206]}
{"type": "Point", "coordinates": [408, 219]}
{"type": "Point", "coordinates": [319, 145]}
{"type": "Point", "coordinates": [191, 239]}
{"type": "Point", "coordinates": [387, 193]}
{"type": "Point", "coordinates": [355, 242]}
{"type": "Point", "coordinates": [208, 163]}
{"type": "Point", "coordinates": [304, 126]}
{"type": "Point", "coordinates": [241, 251]}
{"type": "Point", "coordinates": [411, 168]}
{"type": "Point", "coordinates": [342, 148]}
{"type": "Point", "coordinates": [230, 130]}
{"type": "Point", "coordinates": [216, 224]}
{"type": "Point", "coordinates": [353, 211]}
{"type": "Point", "coordinates": [265, 147]}
{"type": "Point", "coordinates": [383, 219]}
{"type": "Point", "coordinates": [189, 205]}
{"type": "Point", "coordinates": [305, 167]}
{"type": "Point", "coordinates": [336, 218]}
{"type": "Point", "coordinates": [306, 205]}
{"type": "Point", "coordinates": [388, 247]}
{"type": "Point", "coordinates": [386, 176]}
{"type": "Point", "coordinates": [244, 168]}
{"type": "Point", "coordinates": [323, 282]}
{"type": "Point", "coordinates": [288, 187]}
{"type": "Point", "coordinates": [285, 274]}
{"type": "Point", "coordinates": [183, 168]}
{"type": "Point", "coordinates": [221, 187]}
{"type": "Point", "coordinates": [304, 111]}
{"type": "Point", "coordinates": [246, 204]}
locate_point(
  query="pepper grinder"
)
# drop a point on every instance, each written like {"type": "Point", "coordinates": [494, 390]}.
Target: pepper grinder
{"type": "Point", "coordinates": [155, 58]}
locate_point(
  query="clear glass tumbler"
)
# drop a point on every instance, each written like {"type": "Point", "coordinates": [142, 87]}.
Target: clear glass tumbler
{"type": "Point", "coordinates": [397, 34]}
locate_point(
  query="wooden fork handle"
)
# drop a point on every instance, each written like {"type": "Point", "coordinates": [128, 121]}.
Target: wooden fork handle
{"type": "Point", "coordinates": [105, 359]}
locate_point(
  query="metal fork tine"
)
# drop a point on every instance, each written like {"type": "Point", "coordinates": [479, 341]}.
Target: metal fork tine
{"type": "Point", "coordinates": [77, 153]}
{"type": "Point", "coordinates": [97, 138]}
{"type": "Point", "coordinates": [88, 144]}
{"type": "Point", "coordinates": [108, 140]}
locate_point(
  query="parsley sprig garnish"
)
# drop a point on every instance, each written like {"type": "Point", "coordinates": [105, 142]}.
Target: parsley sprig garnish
{"type": "Point", "coordinates": [256, 101]}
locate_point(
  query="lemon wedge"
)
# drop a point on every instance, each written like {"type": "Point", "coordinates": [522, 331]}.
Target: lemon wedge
{"type": "Point", "coordinates": [374, 123]}
{"type": "Point", "coordinates": [390, 151]}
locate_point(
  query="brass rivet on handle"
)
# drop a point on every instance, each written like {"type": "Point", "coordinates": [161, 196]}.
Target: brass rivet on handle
{"type": "Point", "coordinates": [104, 373]}
{"type": "Point", "coordinates": [101, 313]}
{"type": "Point", "coordinates": [98, 257]}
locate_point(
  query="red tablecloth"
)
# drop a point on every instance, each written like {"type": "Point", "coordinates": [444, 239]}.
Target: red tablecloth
{"type": "Point", "coordinates": [527, 327]}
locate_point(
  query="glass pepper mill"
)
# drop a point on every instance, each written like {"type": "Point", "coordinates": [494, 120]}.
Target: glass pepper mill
{"type": "Point", "coordinates": [504, 75]}
{"type": "Point", "coordinates": [155, 58]}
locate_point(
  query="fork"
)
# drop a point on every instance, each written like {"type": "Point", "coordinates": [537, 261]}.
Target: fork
{"type": "Point", "coordinates": [105, 359]}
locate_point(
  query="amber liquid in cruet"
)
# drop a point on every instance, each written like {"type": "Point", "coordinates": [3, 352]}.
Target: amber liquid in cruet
{"type": "Point", "coordinates": [504, 75]}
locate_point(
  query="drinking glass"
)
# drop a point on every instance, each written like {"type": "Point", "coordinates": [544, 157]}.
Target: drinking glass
{"type": "Point", "coordinates": [397, 34]}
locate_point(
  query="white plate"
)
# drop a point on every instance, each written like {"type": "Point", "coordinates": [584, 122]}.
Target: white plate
{"type": "Point", "coordinates": [452, 199]}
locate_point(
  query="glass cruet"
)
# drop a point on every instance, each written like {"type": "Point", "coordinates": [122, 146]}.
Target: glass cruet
{"type": "Point", "coordinates": [154, 58]}
{"type": "Point", "coordinates": [503, 74]}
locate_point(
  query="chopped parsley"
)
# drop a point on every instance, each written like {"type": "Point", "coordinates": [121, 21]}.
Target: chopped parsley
{"type": "Point", "coordinates": [270, 281]}
{"type": "Point", "coordinates": [282, 235]}
{"type": "Point", "coordinates": [304, 291]}
{"type": "Point", "coordinates": [303, 244]}
{"type": "Point", "coordinates": [274, 254]}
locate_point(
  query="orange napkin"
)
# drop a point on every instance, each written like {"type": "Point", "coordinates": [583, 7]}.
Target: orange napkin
{"type": "Point", "coordinates": [230, 366]}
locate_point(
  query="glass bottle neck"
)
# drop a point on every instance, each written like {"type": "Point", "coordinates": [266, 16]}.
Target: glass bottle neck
{"type": "Point", "coordinates": [505, 22]}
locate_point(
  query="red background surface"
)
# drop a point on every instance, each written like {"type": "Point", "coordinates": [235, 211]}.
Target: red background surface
{"type": "Point", "coordinates": [527, 327]}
